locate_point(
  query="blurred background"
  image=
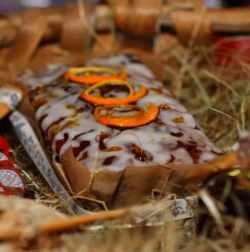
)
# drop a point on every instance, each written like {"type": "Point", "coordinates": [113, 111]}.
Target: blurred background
{"type": "Point", "coordinates": [7, 6]}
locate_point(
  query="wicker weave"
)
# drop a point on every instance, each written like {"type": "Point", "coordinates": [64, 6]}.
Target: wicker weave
{"type": "Point", "coordinates": [73, 26]}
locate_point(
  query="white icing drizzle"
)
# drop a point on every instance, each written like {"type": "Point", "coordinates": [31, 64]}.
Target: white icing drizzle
{"type": "Point", "coordinates": [163, 141]}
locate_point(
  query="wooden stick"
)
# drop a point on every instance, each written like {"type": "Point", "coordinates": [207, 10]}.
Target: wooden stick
{"type": "Point", "coordinates": [66, 224]}
{"type": "Point", "coordinates": [223, 163]}
{"type": "Point", "coordinates": [74, 222]}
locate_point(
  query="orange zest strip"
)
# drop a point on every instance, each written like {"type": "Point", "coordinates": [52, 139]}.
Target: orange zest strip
{"type": "Point", "coordinates": [111, 110]}
{"type": "Point", "coordinates": [113, 101]}
{"type": "Point", "coordinates": [127, 121]}
{"type": "Point", "coordinates": [89, 97]}
{"type": "Point", "coordinates": [93, 74]}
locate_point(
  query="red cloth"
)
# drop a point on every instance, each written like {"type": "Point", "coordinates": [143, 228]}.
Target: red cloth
{"type": "Point", "coordinates": [230, 52]}
{"type": "Point", "coordinates": [229, 49]}
{"type": "Point", "coordinates": [11, 182]}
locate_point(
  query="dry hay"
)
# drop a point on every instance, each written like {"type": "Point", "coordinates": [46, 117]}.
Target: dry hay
{"type": "Point", "coordinates": [222, 120]}
{"type": "Point", "coordinates": [218, 98]}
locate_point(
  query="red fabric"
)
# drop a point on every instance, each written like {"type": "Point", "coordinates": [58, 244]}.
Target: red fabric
{"type": "Point", "coordinates": [4, 146]}
{"type": "Point", "coordinates": [11, 182]}
{"type": "Point", "coordinates": [231, 50]}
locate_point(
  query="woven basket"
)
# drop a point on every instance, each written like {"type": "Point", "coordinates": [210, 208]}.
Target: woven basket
{"type": "Point", "coordinates": [50, 34]}
{"type": "Point", "coordinates": [35, 37]}
{"type": "Point", "coordinates": [70, 33]}
{"type": "Point", "coordinates": [27, 215]}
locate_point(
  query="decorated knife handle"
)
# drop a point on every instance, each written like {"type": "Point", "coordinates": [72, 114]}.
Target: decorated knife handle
{"type": "Point", "coordinates": [11, 182]}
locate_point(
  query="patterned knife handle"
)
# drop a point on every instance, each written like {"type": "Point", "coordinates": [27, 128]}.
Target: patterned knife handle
{"type": "Point", "coordinates": [10, 97]}
{"type": "Point", "coordinates": [11, 182]}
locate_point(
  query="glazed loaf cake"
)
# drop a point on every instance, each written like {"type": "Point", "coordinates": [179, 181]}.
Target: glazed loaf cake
{"type": "Point", "coordinates": [114, 113]}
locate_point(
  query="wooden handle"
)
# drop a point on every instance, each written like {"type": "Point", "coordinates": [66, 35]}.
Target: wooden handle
{"type": "Point", "coordinates": [62, 225]}
{"type": "Point", "coordinates": [140, 18]}
{"type": "Point", "coordinates": [10, 24]}
{"type": "Point", "coordinates": [188, 18]}
{"type": "Point", "coordinates": [224, 20]}
{"type": "Point", "coordinates": [236, 20]}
